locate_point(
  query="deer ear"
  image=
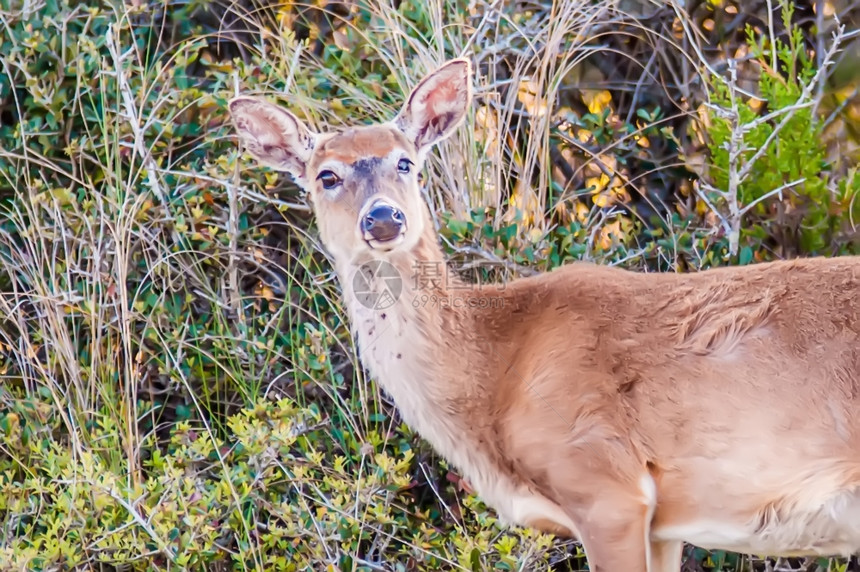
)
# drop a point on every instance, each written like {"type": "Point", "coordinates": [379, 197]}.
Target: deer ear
{"type": "Point", "coordinates": [437, 105]}
{"type": "Point", "coordinates": [273, 135]}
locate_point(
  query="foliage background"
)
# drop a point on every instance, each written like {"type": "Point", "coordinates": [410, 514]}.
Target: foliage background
{"type": "Point", "coordinates": [178, 388]}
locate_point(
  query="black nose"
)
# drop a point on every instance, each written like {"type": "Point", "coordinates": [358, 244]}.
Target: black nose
{"type": "Point", "coordinates": [383, 222]}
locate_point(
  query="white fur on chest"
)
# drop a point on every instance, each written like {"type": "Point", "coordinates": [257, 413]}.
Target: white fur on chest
{"type": "Point", "coordinates": [395, 353]}
{"type": "Point", "coordinates": [400, 356]}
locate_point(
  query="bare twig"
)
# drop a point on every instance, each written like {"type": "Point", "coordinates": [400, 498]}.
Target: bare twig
{"type": "Point", "coordinates": [132, 115]}
{"type": "Point", "coordinates": [776, 191]}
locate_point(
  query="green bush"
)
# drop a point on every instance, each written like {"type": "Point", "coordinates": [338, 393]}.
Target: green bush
{"type": "Point", "coordinates": [267, 497]}
{"type": "Point", "coordinates": [770, 152]}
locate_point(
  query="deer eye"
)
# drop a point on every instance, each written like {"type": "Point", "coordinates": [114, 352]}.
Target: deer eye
{"type": "Point", "coordinates": [328, 179]}
{"type": "Point", "coordinates": [404, 166]}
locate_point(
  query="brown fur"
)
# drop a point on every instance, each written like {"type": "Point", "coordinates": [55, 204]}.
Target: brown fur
{"type": "Point", "coordinates": [634, 411]}
{"type": "Point", "coordinates": [361, 143]}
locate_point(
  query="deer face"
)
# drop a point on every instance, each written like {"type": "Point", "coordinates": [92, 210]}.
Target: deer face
{"type": "Point", "coordinates": [365, 191]}
{"type": "Point", "coordinates": [363, 181]}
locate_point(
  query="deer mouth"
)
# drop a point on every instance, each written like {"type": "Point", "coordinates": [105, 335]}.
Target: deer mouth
{"type": "Point", "coordinates": [385, 244]}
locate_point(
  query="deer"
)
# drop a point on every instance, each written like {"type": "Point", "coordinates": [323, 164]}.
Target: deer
{"type": "Point", "coordinates": [632, 411]}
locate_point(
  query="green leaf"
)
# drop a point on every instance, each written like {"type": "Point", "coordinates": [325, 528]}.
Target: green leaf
{"type": "Point", "coordinates": [183, 412]}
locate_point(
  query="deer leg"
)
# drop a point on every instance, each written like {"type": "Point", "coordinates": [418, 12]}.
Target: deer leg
{"type": "Point", "coordinates": [614, 534]}
{"type": "Point", "coordinates": [666, 556]}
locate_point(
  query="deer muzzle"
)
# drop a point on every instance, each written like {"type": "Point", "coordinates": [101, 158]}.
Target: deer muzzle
{"type": "Point", "coordinates": [382, 222]}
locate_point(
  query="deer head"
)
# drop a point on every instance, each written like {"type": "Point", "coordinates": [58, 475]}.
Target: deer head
{"type": "Point", "coordinates": [363, 181]}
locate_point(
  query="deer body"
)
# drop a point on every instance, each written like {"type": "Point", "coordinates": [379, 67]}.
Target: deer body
{"type": "Point", "coordinates": [632, 411]}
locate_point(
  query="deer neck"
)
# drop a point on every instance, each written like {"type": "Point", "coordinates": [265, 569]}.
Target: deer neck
{"type": "Point", "coordinates": [425, 352]}
{"type": "Point", "coordinates": [408, 336]}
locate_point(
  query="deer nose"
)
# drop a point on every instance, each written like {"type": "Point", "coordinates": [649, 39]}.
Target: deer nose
{"type": "Point", "coordinates": [383, 222]}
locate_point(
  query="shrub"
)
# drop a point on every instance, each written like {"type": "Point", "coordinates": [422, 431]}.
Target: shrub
{"type": "Point", "coordinates": [769, 156]}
